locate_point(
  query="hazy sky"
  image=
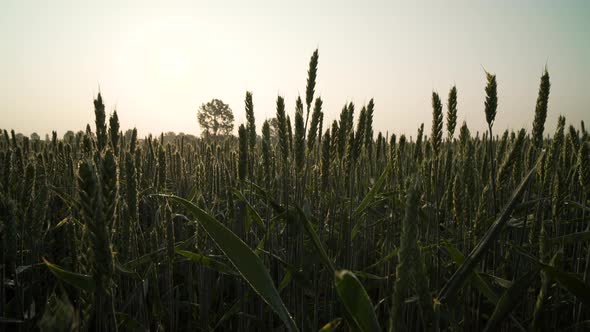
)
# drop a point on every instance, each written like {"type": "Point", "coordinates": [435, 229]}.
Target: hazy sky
{"type": "Point", "coordinates": [157, 62]}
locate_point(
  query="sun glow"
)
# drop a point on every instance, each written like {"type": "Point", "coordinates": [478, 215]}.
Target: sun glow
{"type": "Point", "coordinates": [173, 63]}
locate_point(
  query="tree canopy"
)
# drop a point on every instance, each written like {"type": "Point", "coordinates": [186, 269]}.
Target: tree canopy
{"type": "Point", "coordinates": [216, 118]}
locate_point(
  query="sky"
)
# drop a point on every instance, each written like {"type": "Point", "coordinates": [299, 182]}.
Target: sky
{"type": "Point", "coordinates": [157, 62]}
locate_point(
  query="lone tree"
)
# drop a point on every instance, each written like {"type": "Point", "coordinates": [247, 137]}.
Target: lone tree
{"type": "Point", "coordinates": [215, 117]}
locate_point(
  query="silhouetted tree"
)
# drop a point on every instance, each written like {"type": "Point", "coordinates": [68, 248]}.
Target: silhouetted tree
{"type": "Point", "coordinates": [216, 118]}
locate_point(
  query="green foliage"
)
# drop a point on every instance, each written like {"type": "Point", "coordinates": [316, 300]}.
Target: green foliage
{"type": "Point", "coordinates": [266, 149]}
{"type": "Point", "coordinates": [452, 286]}
{"type": "Point", "coordinates": [410, 274]}
{"type": "Point", "coordinates": [207, 261]}
{"type": "Point", "coordinates": [246, 262]}
{"type": "Point", "coordinates": [511, 297]}
{"type": "Point", "coordinates": [584, 168]}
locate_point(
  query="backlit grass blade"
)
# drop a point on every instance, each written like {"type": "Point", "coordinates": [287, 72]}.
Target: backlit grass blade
{"type": "Point", "coordinates": [246, 262]}
{"type": "Point", "coordinates": [80, 281]}
{"type": "Point", "coordinates": [475, 278]}
{"type": "Point", "coordinates": [360, 313]}
{"type": "Point", "coordinates": [371, 194]}
{"type": "Point", "coordinates": [569, 281]}
{"type": "Point", "coordinates": [316, 241]}
{"type": "Point", "coordinates": [509, 299]}
{"type": "Point", "coordinates": [568, 238]}
{"type": "Point", "coordinates": [452, 286]}
{"type": "Point", "coordinates": [331, 326]}
{"type": "Point", "coordinates": [356, 301]}
{"type": "Point", "coordinates": [207, 262]}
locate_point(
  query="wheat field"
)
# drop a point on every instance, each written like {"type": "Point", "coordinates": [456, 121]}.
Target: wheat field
{"type": "Point", "coordinates": [300, 225]}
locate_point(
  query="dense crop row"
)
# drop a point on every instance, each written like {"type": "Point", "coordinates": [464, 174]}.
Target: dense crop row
{"type": "Point", "coordinates": [305, 227]}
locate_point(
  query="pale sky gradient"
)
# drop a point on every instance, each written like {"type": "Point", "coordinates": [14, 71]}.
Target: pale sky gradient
{"type": "Point", "coordinates": [157, 62]}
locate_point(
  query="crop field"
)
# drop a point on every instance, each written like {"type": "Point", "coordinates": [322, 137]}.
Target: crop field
{"type": "Point", "coordinates": [301, 225]}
